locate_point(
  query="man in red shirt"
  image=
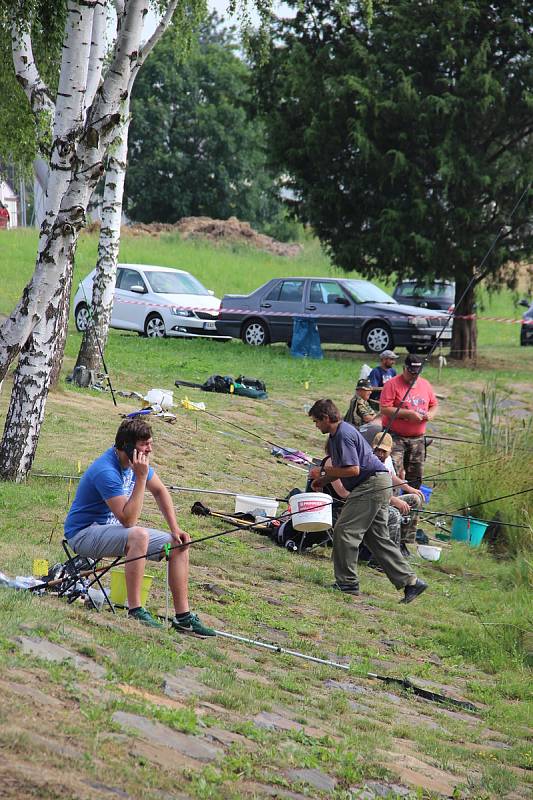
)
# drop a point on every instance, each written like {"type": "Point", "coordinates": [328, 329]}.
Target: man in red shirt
{"type": "Point", "coordinates": [407, 403]}
{"type": "Point", "coordinates": [4, 216]}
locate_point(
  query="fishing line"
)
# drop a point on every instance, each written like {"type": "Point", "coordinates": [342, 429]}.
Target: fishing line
{"type": "Point", "coordinates": [252, 433]}
{"type": "Point", "coordinates": [471, 441]}
{"type": "Point", "coordinates": [478, 519]}
{"type": "Point", "coordinates": [475, 278]}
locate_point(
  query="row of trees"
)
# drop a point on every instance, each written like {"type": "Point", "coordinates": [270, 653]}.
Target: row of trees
{"type": "Point", "coordinates": [195, 149]}
{"type": "Point", "coordinates": [408, 141]}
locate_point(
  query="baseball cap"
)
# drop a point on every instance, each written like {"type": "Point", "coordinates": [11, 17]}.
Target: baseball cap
{"type": "Point", "coordinates": [383, 441]}
{"type": "Point", "coordinates": [413, 364]}
{"type": "Point", "coordinates": [388, 354]}
{"type": "Point", "coordinates": [363, 383]}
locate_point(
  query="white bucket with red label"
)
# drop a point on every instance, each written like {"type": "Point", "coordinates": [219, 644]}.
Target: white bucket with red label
{"type": "Point", "coordinates": [311, 511]}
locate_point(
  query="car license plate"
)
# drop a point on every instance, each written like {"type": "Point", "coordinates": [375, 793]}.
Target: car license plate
{"type": "Point", "coordinates": [209, 326]}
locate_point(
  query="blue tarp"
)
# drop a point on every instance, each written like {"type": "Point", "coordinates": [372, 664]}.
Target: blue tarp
{"type": "Point", "coordinates": [305, 338]}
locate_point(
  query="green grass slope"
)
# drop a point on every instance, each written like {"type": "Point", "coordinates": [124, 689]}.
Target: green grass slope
{"type": "Point", "coordinates": [129, 712]}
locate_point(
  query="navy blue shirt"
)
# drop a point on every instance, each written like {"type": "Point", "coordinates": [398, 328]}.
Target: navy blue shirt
{"type": "Point", "coordinates": [347, 448]}
{"type": "Point", "coordinates": [378, 376]}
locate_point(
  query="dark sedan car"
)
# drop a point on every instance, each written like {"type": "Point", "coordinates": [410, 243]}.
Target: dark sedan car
{"type": "Point", "coordinates": [526, 328]}
{"type": "Point", "coordinates": [347, 311]}
{"type": "Point", "coordinates": [438, 295]}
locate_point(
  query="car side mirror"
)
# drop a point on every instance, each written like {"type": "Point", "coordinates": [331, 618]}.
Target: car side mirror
{"type": "Point", "coordinates": [138, 289]}
{"type": "Point", "coordinates": [342, 301]}
{"type": "Point", "coordinates": [524, 303]}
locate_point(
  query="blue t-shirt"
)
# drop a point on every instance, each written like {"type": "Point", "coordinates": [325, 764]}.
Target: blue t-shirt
{"type": "Point", "coordinates": [105, 478]}
{"type": "Point", "coordinates": [347, 448]}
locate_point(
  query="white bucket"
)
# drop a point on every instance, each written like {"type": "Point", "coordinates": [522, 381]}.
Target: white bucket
{"type": "Point", "coordinates": [311, 511]}
{"type": "Point", "coordinates": [248, 503]}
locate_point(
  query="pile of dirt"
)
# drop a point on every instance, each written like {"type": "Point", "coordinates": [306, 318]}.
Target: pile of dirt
{"type": "Point", "coordinates": [223, 231]}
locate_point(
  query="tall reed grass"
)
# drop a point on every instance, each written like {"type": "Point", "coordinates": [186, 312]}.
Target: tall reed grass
{"type": "Point", "coordinates": [512, 440]}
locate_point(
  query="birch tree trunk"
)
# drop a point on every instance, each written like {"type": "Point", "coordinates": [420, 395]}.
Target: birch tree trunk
{"type": "Point", "coordinates": [76, 164]}
{"type": "Point", "coordinates": [95, 335]}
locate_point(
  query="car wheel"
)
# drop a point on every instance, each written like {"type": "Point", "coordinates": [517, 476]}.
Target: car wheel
{"type": "Point", "coordinates": [377, 338]}
{"type": "Point", "coordinates": [81, 317]}
{"type": "Point", "coordinates": [154, 327]}
{"type": "Point", "coordinates": [255, 333]}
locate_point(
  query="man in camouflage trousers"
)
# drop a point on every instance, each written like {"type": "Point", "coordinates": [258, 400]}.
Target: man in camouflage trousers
{"type": "Point", "coordinates": [403, 511]}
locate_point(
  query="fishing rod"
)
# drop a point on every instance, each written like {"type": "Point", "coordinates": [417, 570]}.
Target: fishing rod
{"type": "Point", "coordinates": [251, 433]}
{"type": "Point", "coordinates": [471, 441]}
{"type": "Point", "coordinates": [476, 278]}
{"type": "Point", "coordinates": [478, 519]}
{"type": "Point", "coordinates": [99, 346]}
{"type": "Point", "coordinates": [219, 491]}
{"type": "Point", "coordinates": [120, 561]}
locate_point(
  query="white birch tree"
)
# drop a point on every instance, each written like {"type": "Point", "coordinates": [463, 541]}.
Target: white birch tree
{"type": "Point", "coordinates": [84, 127]}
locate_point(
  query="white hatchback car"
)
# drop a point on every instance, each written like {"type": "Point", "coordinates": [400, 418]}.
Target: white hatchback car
{"type": "Point", "coordinates": [154, 301]}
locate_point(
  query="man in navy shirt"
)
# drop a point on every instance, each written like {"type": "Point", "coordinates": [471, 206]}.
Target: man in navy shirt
{"type": "Point", "coordinates": [104, 517]}
{"type": "Point", "coordinates": [382, 373]}
{"type": "Point", "coordinates": [366, 509]}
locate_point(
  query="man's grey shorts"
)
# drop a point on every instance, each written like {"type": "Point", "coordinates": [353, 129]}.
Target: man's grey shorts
{"type": "Point", "coordinates": [101, 541]}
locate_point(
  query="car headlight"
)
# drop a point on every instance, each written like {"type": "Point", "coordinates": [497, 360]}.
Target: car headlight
{"type": "Point", "coordinates": [418, 322]}
{"type": "Point", "coordinates": [180, 312]}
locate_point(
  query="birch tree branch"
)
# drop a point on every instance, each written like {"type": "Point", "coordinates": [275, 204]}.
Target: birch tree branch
{"type": "Point", "coordinates": [28, 76]}
{"type": "Point", "coordinates": [97, 52]}
{"type": "Point", "coordinates": [149, 45]}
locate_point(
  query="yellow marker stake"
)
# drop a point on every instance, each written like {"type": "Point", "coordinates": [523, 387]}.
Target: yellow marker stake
{"type": "Point", "coordinates": [79, 467]}
{"type": "Point", "coordinates": [306, 384]}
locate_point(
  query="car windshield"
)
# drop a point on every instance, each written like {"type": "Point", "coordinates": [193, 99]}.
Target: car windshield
{"type": "Point", "coordinates": [174, 283]}
{"type": "Point", "coordinates": [366, 292]}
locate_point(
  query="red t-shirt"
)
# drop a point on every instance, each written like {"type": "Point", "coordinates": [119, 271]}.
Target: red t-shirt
{"type": "Point", "coordinates": [421, 397]}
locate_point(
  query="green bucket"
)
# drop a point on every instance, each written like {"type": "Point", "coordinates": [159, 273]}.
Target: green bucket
{"type": "Point", "coordinates": [469, 529]}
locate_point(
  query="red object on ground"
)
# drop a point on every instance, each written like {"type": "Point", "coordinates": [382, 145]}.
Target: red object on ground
{"type": "Point", "coordinates": [4, 217]}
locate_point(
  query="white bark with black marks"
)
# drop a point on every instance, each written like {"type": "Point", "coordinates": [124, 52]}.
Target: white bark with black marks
{"type": "Point", "coordinates": [101, 303]}
{"type": "Point", "coordinates": [76, 163]}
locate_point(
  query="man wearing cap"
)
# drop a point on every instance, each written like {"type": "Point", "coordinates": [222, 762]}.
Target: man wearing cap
{"type": "Point", "coordinates": [360, 413]}
{"type": "Point", "coordinates": [382, 373]}
{"type": "Point", "coordinates": [407, 403]}
{"type": "Point", "coordinates": [401, 508]}
{"type": "Point", "coordinates": [365, 510]}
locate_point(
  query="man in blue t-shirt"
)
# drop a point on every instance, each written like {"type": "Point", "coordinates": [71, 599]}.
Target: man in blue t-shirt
{"type": "Point", "coordinates": [104, 516]}
{"type": "Point", "coordinates": [366, 509]}
{"type": "Point", "coordinates": [382, 373]}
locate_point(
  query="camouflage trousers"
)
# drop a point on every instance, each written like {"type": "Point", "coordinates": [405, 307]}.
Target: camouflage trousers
{"type": "Point", "coordinates": [402, 530]}
{"type": "Point", "coordinates": [408, 454]}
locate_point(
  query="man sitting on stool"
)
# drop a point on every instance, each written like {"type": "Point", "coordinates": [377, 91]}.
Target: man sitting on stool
{"type": "Point", "coordinates": [103, 522]}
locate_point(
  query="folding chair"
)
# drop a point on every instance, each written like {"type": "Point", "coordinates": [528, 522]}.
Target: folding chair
{"type": "Point", "coordinates": [77, 583]}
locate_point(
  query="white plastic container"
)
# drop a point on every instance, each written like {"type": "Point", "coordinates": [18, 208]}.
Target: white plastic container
{"type": "Point", "coordinates": [160, 397]}
{"type": "Point", "coordinates": [311, 511]}
{"type": "Point", "coordinates": [249, 503]}
{"type": "Point", "coordinates": [428, 552]}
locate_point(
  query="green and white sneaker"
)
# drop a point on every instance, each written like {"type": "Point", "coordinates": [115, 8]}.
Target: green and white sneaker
{"type": "Point", "coordinates": [144, 617]}
{"type": "Point", "coordinates": [192, 626]}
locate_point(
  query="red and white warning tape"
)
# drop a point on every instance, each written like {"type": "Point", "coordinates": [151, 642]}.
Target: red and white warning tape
{"type": "Point", "coordinates": [217, 312]}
